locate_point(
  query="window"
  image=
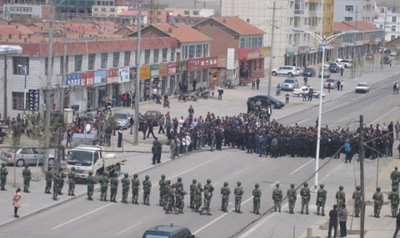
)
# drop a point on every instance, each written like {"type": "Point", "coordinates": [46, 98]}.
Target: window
{"type": "Point", "coordinates": [242, 43]}
{"type": "Point", "coordinates": [164, 55]}
{"type": "Point", "coordinates": [95, 9]}
{"type": "Point", "coordinates": [156, 55]}
{"type": "Point", "coordinates": [186, 12]}
{"type": "Point", "coordinates": [195, 13]}
{"type": "Point", "coordinates": [46, 64]}
{"type": "Point", "coordinates": [394, 19]}
{"type": "Point", "coordinates": [78, 63]}
{"type": "Point", "coordinates": [393, 28]}
{"type": "Point", "coordinates": [206, 53]}
{"type": "Point", "coordinates": [147, 56]}
{"type": "Point", "coordinates": [18, 101]}
{"type": "Point", "coordinates": [91, 61]}
{"type": "Point", "coordinates": [348, 8]}
{"type": "Point", "coordinates": [392, 37]}
{"type": "Point", "coordinates": [191, 51]}
{"type": "Point", "coordinates": [62, 64]}
{"type": "Point", "coordinates": [381, 26]}
{"type": "Point", "coordinates": [173, 54]}
{"type": "Point", "coordinates": [112, 9]}
{"type": "Point", "coordinates": [20, 61]}
{"type": "Point", "coordinates": [127, 58]}
{"type": "Point", "coordinates": [103, 9]}
{"type": "Point", "coordinates": [198, 51]}
{"type": "Point", "coordinates": [115, 59]}
{"type": "Point", "coordinates": [348, 19]}
{"type": "Point", "coordinates": [104, 59]}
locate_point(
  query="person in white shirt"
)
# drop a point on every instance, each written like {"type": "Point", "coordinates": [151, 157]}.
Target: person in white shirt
{"type": "Point", "coordinates": [180, 124]}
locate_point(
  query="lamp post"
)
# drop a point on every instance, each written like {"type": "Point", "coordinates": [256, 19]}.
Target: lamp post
{"type": "Point", "coordinates": [323, 41]}
{"type": "Point", "coordinates": [25, 69]}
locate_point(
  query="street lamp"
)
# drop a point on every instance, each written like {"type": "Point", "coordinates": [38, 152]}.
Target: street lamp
{"type": "Point", "coordinates": [323, 41]}
{"type": "Point", "coordinates": [25, 69]}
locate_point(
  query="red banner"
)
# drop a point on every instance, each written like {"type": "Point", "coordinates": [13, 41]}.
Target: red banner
{"type": "Point", "coordinates": [202, 63]}
{"type": "Point", "coordinates": [171, 68]}
{"type": "Point", "coordinates": [249, 54]}
{"type": "Point", "coordinates": [112, 76]}
{"type": "Point", "coordinates": [87, 79]}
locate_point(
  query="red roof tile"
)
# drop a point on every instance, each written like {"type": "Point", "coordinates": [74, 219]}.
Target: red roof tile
{"type": "Point", "coordinates": [184, 33]}
{"type": "Point", "coordinates": [239, 25]}
{"type": "Point", "coordinates": [351, 25]}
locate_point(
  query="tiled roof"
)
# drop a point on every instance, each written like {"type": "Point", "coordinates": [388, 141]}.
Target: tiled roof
{"type": "Point", "coordinates": [184, 33]}
{"type": "Point", "coordinates": [351, 26]}
{"type": "Point", "coordinates": [239, 25]}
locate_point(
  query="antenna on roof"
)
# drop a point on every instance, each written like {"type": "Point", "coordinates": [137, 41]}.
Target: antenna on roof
{"type": "Point", "coordinates": [172, 20]}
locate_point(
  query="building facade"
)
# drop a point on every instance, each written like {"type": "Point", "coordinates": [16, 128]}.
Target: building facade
{"type": "Point", "coordinates": [107, 11]}
{"type": "Point", "coordinates": [355, 10]}
{"type": "Point", "coordinates": [392, 22]}
{"type": "Point", "coordinates": [11, 11]}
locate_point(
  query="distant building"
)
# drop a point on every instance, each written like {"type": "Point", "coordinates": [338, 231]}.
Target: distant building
{"type": "Point", "coordinates": [355, 10]}
{"type": "Point", "coordinates": [191, 12]}
{"type": "Point", "coordinates": [11, 11]}
{"type": "Point", "coordinates": [107, 11]}
{"type": "Point", "coordinates": [392, 30]}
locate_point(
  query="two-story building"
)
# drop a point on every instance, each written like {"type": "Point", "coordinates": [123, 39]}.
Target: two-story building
{"type": "Point", "coordinates": [238, 46]}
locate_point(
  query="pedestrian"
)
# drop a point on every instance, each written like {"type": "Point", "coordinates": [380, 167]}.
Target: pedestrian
{"type": "Point", "coordinates": [347, 149]}
{"type": "Point", "coordinates": [238, 196]}
{"type": "Point", "coordinates": [333, 216]}
{"type": "Point", "coordinates": [338, 85]}
{"type": "Point", "coordinates": [378, 202]}
{"type": "Point", "coordinates": [321, 199]}
{"type": "Point", "coordinates": [119, 137]}
{"type": "Point", "coordinates": [17, 202]}
{"type": "Point", "coordinates": [397, 225]}
{"type": "Point", "coordinates": [131, 122]}
{"type": "Point", "coordinates": [225, 192]}
{"type": "Point", "coordinates": [135, 188]}
{"type": "Point", "coordinates": [253, 84]}
{"type": "Point", "coordinates": [277, 196]}
{"type": "Point", "coordinates": [146, 190]}
{"type": "Point", "coordinates": [26, 173]}
{"type": "Point", "coordinates": [329, 87]}
{"type": "Point", "coordinates": [71, 182]}
{"type": "Point", "coordinates": [150, 128]}
{"type": "Point", "coordinates": [305, 194]}
{"type": "Point", "coordinates": [90, 185]}
{"type": "Point", "coordinates": [343, 220]}
{"type": "Point", "coordinates": [220, 92]}
{"type": "Point", "coordinates": [69, 138]}
{"type": "Point", "coordinates": [258, 83]}
{"type": "Point", "coordinates": [341, 71]}
{"type": "Point", "coordinates": [256, 199]}
{"type": "Point", "coordinates": [161, 123]}
{"type": "Point", "coordinates": [154, 151]}
{"type": "Point", "coordinates": [194, 85]}
{"type": "Point", "coordinates": [3, 176]}
{"type": "Point", "coordinates": [341, 84]}
{"type": "Point", "coordinates": [292, 197]}
{"type": "Point", "coordinates": [287, 96]}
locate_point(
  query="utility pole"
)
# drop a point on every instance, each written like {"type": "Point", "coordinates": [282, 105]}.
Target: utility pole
{"type": "Point", "coordinates": [48, 87]}
{"type": "Point", "coordinates": [61, 128]}
{"type": "Point", "coordinates": [272, 49]}
{"type": "Point", "coordinates": [383, 40]}
{"type": "Point", "coordinates": [361, 158]}
{"type": "Point", "coordinates": [355, 63]}
{"type": "Point", "coordinates": [137, 96]}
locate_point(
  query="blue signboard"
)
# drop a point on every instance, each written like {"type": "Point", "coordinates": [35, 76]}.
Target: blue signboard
{"type": "Point", "coordinates": [74, 79]}
{"type": "Point", "coordinates": [100, 77]}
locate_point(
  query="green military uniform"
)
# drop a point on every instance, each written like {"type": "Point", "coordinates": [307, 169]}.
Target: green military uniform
{"type": "Point", "coordinates": [171, 204]}
{"type": "Point", "coordinates": [125, 188]}
{"type": "Point", "coordinates": [207, 200]}
{"type": "Point", "coordinates": [192, 194]}
{"type": "Point", "coordinates": [56, 185]}
{"type": "Point", "coordinates": [61, 181]}
{"type": "Point", "coordinates": [395, 177]}
{"type": "Point", "coordinates": [292, 197]}
{"type": "Point", "coordinates": [135, 189]}
{"type": "Point", "coordinates": [378, 201]}
{"type": "Point", "coordinates": [26, 173]}
{"type": "Point", "coordinates": [197, 197]}
{"type": "Point", "coordinates": [49, 179]}
{"type": "Point", "coordinates": [71, 182]}
{"type": "Point", "coordinates": [209, 186]}
{"type": "Point", "coordinates": [90, 185]}
{"type": "Point", "coordinates": [321, 199]}
{"type": "Point", "coordinates": [162, 184]}
{"type": "Point", "coordinates": [180, 195]}
{"type": "Point", "coordinates": [357, 195]}
{"type": "Point", "coordinates": [305, 194]}
{"type": "Point", "coordinates": [146, 190]}
{"type": "Point", "coordinates": [225, 192]}
{"type": "Point", "coordinates": [394, 201]}
{"type": "Point", "coordinates": [113, 188]}
{"type": "Point", "coordinates": [256, 199]}
{"type": "Point", "coordinates": [104, 187]}
{"type": "Point", "coordinates": [238, 197]}
{"type": "Point", "coordinates": [340, 197]}
{"type": "Point", "coordinates": [3, 176]}
{"type": "Point", "coordinates": [166, 191]}
{"type": "Point", "coordinates": [277, 196]}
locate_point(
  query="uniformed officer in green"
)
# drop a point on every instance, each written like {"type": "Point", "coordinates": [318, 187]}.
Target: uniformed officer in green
{"type": "Point", "coordinates": [394, 201]}
{"type": "Point", "coordinates": [238, 196]}
{"type": "Point", "coordinates": [256, 199]}
{"type": "Point", "coordinates": [207, 200]}
{"type": "Point", "coordinates": [56, 185]}
{"type": "Point", "coordinates": [104, 187]}
{"type": "Point", "coordinates": [292, 197]}
{"type": "Point", "coordinates": [3, 176]}
{"type": "Point", "coordinates": [125, 188]}
{"type": "Point", "coordinates": [162, 184]}
{"type": "Point", "coordinates": [49, 179]}
{"type": "Point", "coordinates": [395, 177]}
{"type": "Point", "coordinates": [277, 196]}
{"type": "Point", "coordinates": [209, 186]}
{"type": "Point", "coordinates": [357, 195]}
{"type": "Point", "coordinates": [146, 190]}
{"type": "Point", "coordinates": [378, 201]}
{"type": "Point", "coordinates": [305, 194]}
{"type": "Point", "coordinates": [198, 197]}
{"type": "Point", "coordinates": [180, 196]}
{"type": "Point", "coordinates": [321, 199]}
{"type": "Point", "coordinates": [61, 181]}
{"type": "Point", "coordinates": [171, 204]}
{"type": "Point", "coordinates": [167, 188]}
{"type": "Point", "coordinates": [113, 188]}
{"type": "Point", "coordinates": [90, 185]}
{"type": "Point", "coordinates": [26, 173]}
{"type": "Point", "coordinates": [340, 197]}
{"type": "Point", "coordinates": [135, 182]}
{"type": "Point", "coordinates": [225, 192]}
{"type": "Point", "coordinates": [192, 194]}
{"type": "Point", "coordinates": [71, 182]}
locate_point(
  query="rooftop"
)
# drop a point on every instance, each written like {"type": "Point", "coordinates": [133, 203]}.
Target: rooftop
{"type": "Point", "coordinates": [239, 25]}
{"type": "Point", "coordinates": [184, 33]}
{"type": "Point", "coordinates": [351, 25]}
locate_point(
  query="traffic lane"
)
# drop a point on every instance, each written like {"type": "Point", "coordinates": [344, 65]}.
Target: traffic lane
{"type": "Point", "coordinates": [34, 223]}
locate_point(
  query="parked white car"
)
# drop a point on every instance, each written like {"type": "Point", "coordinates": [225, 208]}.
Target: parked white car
{"type": "Point", "coordinates": [305, 90]}
{"type": "Point", "coordinates": [290, 71]}
{"type": "Point", "coordinates": [345, 62]}
{"type": "Point", "coordinates": [362, 87]}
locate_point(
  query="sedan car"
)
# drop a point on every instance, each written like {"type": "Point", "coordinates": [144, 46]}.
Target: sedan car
{"type": "Point", "coordinates": [25, 156]}
{"type": "Point", "coordinates": [289, 84]}
{"type": "Point", "coordinates": [327, 73]}
{"type": "Point", "coordinates": [334, 67]}
{"type": "Point", "coordinates": [150, 115]}
{"type": "Point", "coordinates": [333, 83]}
{"type": "Point", "coordinates": [309, 72]}
{"type": "Point", "coordinates": [344, 62]}
{"type": "Point", "coordinates": [288, 70]}
{"type": "Point", "coordinates": [362, 87]}
{"type": "Point", "coordinates": [267, 100]}
{"type": "Point", "coordinates": [122, 119]}
{"type": "Point", "coordinates": [305, 90]}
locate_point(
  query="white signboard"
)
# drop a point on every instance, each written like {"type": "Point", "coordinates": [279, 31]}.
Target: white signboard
{"type": "Point", "coordinates": [230, 59]}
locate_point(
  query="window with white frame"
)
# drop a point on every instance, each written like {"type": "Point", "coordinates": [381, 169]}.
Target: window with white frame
{"type": "Point", "coordinates": [260, 43]}
{"type": "Point", "coordinates": [127, 58]}
{"type": "Point", "coordinates": [115, 59]}
{"type": "Point", "coordinates": [392, 37]}
{"type": "Point", "coordinates": [18, 60]}
{"type": "Point", "coordinates": [164, 55]}
{"type": "Point", "coordinates": [104, 59]}
{"type": "Point", "coordinates": [78, 63]}
{"type": "Point", "coordinates": [348, 8]}
{"type": "Point", "coordinates": [206, 53]}
{"type": "Point", "coordinates": [242, 43]}
{"type": "Point", "coordinates": [46, 64]}
{"type": "Point", "coordinates": [394, 19]}
{"type": "Point", "coordinates": [156, 53]}
{"type": "Point", "coordinates": [172, 54]}
{"type": "Point", "coordinates": [91, 61]}
{"type": "Point", "coordinates": [191, 51]}
{"type": "Point", "coordinates": [18, 100]}
{"type": "Point", "coordinates": [62, 63]}
{"type": "Point", "coordinates": [147, 56]}
{"type": "Point", "coordinates": [348, 19]}
{"type": "Point", "coordinates": [198, 51]}
{"type": "Point", "coordinates": [393, 28]}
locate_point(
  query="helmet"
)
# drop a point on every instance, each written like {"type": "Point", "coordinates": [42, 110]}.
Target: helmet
{"type": "Point", "coordinates": [340, 187]}
{"type": "Point", "coordinates": [147, 177]}
{"type": "Point", "coordinates": [305, 184]}
{"type": "Point", "coordinates": [26, 166]}
{"type": "Point", "coordinates": [126, 175]}
{"type": "Point", "coordinates": [135, 175]}
{"type": "Point", "coordinates": [321, 186]}
{"type": "Point", "coordinates": [90, 173]}
{"type": "Point", "coordinates": [179, 179]}
{"type": "Point", "coordinates": [194, 181]}
{"type": "Point", "coordinates": [257, 185]}
{"type": "Point", "coordinates": [292, 185]}
{"type": "Point", "coordinates": [277, 185]}
{"type": "Point", "coordinates": [73, 168]}
{"type": "Point", "coordinates": [226, 184]}
{"type": "Point", "coordinates": [208, 181]}
{"type": "Point", "coordinates": [239, 183]}
{"type": "Point", "coordinates": [378, 189]}
{"type": "Point", "coordinates": [163, 176]}
{"type": "Point", "coordinates": [358, 188]}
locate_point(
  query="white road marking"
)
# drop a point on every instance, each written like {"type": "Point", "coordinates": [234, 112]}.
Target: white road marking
{"type": "Point", "coordinates": [127, 229]}
{"type": "Point", "coordinates": [84, 215]}
{"type": "Point", "coordinates": [274, 184]}
{"type": "Point", "coordinates": [220, 217]}
{"type": "Point", "coordinates": [394, 109]}
{"type": "Point", "coordinates": [304, 165]}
